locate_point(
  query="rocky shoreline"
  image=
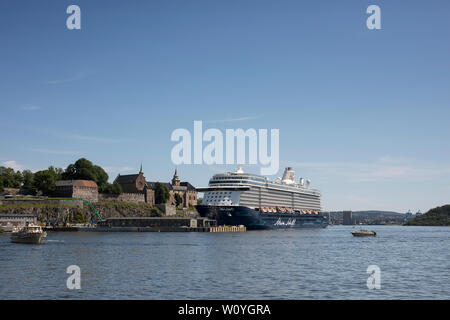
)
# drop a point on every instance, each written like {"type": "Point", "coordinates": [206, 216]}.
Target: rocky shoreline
{"type": "Point", "coordinates": [76, 213]}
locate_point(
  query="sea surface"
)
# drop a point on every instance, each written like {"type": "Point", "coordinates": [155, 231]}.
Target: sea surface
{"type": "Point", "coordinates": [414, 263]}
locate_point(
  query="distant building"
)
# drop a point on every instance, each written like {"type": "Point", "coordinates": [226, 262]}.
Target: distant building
{"type": "Point", "coordinates": [10, 192]}
{"type": "Point", "coordinates": [9, 221]}
{"type": "Point", "coordinates": [418, 213]}
{"type": "Point", "coordinates": [408, 215]}
{"type": "Point", "coordinates": [131, 183]}
{"type": "Point", "coordinates": [79, 189]}
{"type": "Point", "coordinates": [347, 218]}
{"type": "Point", "coordinates": [184, 189]}
{"type": "Point", "coordinates": [135, 184]}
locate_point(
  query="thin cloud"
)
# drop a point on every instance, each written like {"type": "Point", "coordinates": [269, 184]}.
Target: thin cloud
{"type": "Point", "coordinates": [119, 169]}
{"type": "Point", "coordinates": [382, 169]}
{"type": "Point", "coordinates": [113, 171]}
{"type": "Point", "coordinates": [30, 108]}
{"type": "Point", "coordinates": [92, 138]}
{"type": "Point", "coordinates": [13, 165]}
{"type": "Point", "coordinates": [61, 152]}
{"type": "Point", "coordinates": [77, 77]}
{"type": "Point", "coordinates": [77, 136]}
{"type": "Point", "coordinates": [360, 201]}
{"type": "Point", "coordinates": [237, 119]}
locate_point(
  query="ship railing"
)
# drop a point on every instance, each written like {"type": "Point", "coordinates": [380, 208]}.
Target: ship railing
{"type": "Point", "coordinates": [273, 185]}
{"type": "Point", "coordinates": [285, 210]}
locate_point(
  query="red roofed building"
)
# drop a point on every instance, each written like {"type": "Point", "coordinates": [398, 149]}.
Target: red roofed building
{"type": "Point", "coordinates": [78, 189]}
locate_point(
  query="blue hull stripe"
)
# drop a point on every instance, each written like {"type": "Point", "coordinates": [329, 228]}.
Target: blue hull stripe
{"type": "Point", "coordinates": [252, 219]}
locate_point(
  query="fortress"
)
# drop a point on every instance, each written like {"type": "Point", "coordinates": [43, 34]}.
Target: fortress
{"type": "Point", "coordinates": [135, 189]}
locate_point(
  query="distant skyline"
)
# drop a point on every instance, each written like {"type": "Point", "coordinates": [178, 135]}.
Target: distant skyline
{"type": "Point", "coordinates": [362, 113]}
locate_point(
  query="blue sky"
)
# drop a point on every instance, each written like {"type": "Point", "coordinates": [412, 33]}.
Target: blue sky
{"type": "Point", "coordinates": [363, 113]}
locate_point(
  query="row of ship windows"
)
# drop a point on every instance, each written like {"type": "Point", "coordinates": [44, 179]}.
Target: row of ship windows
{"type": "Point", "coordinates": [278, 186]}
{"type": "Point", "coordinates": [221, 200]}
{"type": "Point", "coordinates": [266, 198]}
{"type": "Point", "coordinates": [279, 194]}
{"type": "Point", "coordinates": [218, 196]}
{"type": "Point", "coordinates": [246, 181]}
{"type": "Point", "coordinates": [219, 192]}
{"type": "Point", "coordinates": [242, 178]}
{"type": "Point", "coordinates": [296, 203]}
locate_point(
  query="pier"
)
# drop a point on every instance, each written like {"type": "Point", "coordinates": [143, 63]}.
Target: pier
{"type": "Point", "coordinates": [151, 224]}
{"type": "Point", "coordinates": [167, 229]}
{"type": "Point", "coordinates": [148, 229]}
{"type": "Point", "coordinates": [228, 229]}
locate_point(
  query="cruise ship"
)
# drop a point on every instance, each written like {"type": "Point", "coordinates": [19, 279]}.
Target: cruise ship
{"type": "Point", "coordinates": [239, 198]}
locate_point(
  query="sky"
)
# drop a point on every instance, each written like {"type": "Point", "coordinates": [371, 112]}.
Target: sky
{"type": "Point", "coordinates": [362, 113]}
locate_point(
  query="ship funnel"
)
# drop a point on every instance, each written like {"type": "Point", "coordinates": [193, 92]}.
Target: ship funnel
{"type": "Point", "coordinates": [288, 176]}
{"type": "Point", "coordinates": [302, 182]}
{"type": "Point", "coordinates": [308, 182]}
{"type": "Point", "coordinates": [239, 169]}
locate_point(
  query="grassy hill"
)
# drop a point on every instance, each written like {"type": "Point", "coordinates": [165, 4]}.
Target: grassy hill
{"type": "Point", "coordinates": [372, 213]}
{"type": "Point", "coordinates": [369, 214]}
{"type": "Point", "coordinates": [439, 216]}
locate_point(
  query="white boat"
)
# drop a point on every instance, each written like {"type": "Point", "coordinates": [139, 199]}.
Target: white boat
{"type": "Point", "coordinates": [30, 233]}
{"type": "Point", "coordinates": [239, 198]}
{"type": "Point", "coordinates": [364, 233]}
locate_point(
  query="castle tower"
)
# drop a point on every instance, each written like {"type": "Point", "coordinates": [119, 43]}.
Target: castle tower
{"type": "Point", "coordinates": [175, 179]}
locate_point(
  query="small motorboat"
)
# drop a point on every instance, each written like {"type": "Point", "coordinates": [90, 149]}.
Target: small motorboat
{"type": "Point", "coordinates": [364, 233]}
{"type": "Point", "coordinates": [30, 233]}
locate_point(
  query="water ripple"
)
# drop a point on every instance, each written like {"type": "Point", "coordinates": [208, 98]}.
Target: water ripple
{"type": "Point", "coordinates": [301, 264]}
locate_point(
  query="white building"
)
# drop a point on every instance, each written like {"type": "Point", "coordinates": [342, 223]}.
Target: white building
{"type": "Point", "coordinates": [9, 221]}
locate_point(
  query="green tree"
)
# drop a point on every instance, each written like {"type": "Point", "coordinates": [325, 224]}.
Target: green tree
{"type": "Point", "coordinates": [439, 216]}
{"type": "Point", "coordinates": [162, 193]}
{"type": "Point", "coordinates": [178, 199]}
{"type": "Point", "coordinates": [1, 184]}
{"type": "Point", "coordinates": [59, 171]}
{"type": "Point", "coordinates": [111, 188]}
{"type": "Point", "coordinates": [45, 180]}
{"type": "Point", "coordinates": [28, 180]}
{"type": "Point", "coordinates": [84, 169]}
{"type": "Point", "coordinates": [11, 179]}
{"type": "Point", "coordinates": [18, 179]}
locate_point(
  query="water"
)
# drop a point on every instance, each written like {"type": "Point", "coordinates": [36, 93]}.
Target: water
{"type": "Point", "coordinates": [299, 264]}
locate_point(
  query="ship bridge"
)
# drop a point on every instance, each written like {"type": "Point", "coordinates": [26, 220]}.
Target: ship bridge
{"type": "Point", "coordinates": [223, 188]}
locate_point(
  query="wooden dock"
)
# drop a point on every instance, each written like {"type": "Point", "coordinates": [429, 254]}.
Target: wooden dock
{"type": "Point", "coordinates": [228, 229]}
